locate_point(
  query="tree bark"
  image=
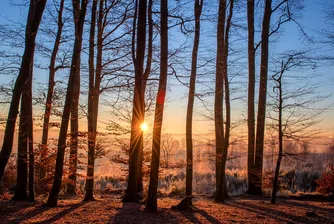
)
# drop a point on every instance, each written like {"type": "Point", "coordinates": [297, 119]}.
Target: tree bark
{"type": "Point", "coordinates": [280, 136]}
{"type": "Point", "coordinates": [151, 205]}
{"type": "Point", "coordinates": [218, 104]}
{"type": "Point", "coordinates": [136, 142]}
{"type": "Point", "coordinates": [147, 73]}
{"type": "Point", "coordinates": [93, 100]}
{"type": "Point", "coordinates": [22, 151]}
{"type": "Point", "coordinates": [79, 13]}
{"type": "Point", "coordinates": [48, 104]}
{"type": "Point", "coordinates": [30, 133]}
{"type": "Point", "coordinates": [36, 10]}
{"type": "Point", "coordinates": [221, 193]}
{"type": "Point", "coordinates": [191, 97]}
{"type": "Point", "coordinates": [251, 98]}
{"type": "Point", "coordinates": [261, 116]}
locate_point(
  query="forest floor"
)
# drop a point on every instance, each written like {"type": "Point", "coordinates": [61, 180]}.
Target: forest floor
{"type": "Point", "coordinates": [244, 209]}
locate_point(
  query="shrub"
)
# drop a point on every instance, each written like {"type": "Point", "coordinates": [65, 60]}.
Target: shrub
{"type": "Point", "coordinates": [326, 182]}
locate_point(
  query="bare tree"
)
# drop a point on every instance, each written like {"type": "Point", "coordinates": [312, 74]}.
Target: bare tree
{"type": "Point", "coordinates": [151, 205]}
{"type": "Point", "coordinates": [168, 147]}
{"type": "Point", "coordinates": [36, 9]}
{"type": "Point", "coordinates": [79, 13]}
{"type": "Point", "coordinates": [221, 186]}
{"type": "Point", "coordinates": [294, 106]}
{"type": "Point", "coordinates": [138, 106]}
{"type": "Point", "coordinates": [191, 97]}
{"type": "Point", "coordinates": [49, 99]}
{"type": "Point", "coordinates": [251, 97]}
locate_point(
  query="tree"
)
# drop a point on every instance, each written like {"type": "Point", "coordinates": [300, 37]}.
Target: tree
{"type": "Point", "coordinates": [151, 204]}
{"type": "Point", "coordinates": [79, 13]}
{"type": "Point", "coordinates": [221, 186]}
{"type": "Point", "coordinates": [138, 111]}
{"type": "Point", "coordinates": [219, 87]}
{"type": "Point", "coordinates": [22, 151]}
{"type": "Point", "coordinates": [251, 97]}
{"type": "Point", "coordinates": [295, 106]}
{"type": "Point", "coordinates": [49, 98]}
{"type": "Point", "coordinates": [168, 146]}
{"type": "Point", "coordinates": [191, 97]}
{"type": "Point", "coordinates": [30, 139]}
{"type": "Point", "coordinates": [256, 140]}
{"type": "Point", "coordinates": [36, 9]}
{"type": "Point", "coordinates": [261, 111]}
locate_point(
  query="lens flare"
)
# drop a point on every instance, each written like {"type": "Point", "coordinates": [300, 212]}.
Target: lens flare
{"type": "Point", "coordinates": [144, 126]}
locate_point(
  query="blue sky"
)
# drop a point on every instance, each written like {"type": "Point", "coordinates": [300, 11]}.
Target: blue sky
{"type": "Point", "coordinates": [312, 19]}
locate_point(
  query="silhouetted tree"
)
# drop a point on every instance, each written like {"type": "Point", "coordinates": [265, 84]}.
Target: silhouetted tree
{"type": "Point", "coordinates": [221, 186]}
{"type": "Point", "coordinates": [151, 204]}
{"type": "Point", "coordinates": [138, 111]}
{"type": "Point", "coordinates": [51, 84]}
{"type": "Point", "coordinates": [191, 97]}
{"type": "Point", "coordinates": [251, 97]}
{"type": "Point", "coordinates": [79, 13]}
{"type": "Point", "coordinates": [36, 9]}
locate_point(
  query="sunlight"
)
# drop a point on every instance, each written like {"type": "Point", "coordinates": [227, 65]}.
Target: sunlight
{"type": "Point", "coordinates": [144, 126]}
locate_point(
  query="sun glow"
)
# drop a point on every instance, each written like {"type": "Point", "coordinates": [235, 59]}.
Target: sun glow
{"type": "Point", "coordinates": [144, 126]}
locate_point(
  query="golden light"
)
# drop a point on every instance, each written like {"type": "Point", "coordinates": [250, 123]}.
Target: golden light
{"type": "Point", "coordinates": [144, 126]}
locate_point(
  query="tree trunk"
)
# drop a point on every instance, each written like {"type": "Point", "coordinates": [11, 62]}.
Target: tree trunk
{"type": "Point", "coordinates": [280, 136]}
{"type": "Point", "coordinates": [36, 10]}
{"type": "Point", "coordinates": [22, 157]}
{"type": "Point", "coordinates": [261, 116]}
{"type": "Point", "coordinates": [151, 205]}
{"type": "Point", "coordinates": [30, 134]}
{"type": "Point", "coordinates": [218, 105]}
{"type": "Point", "coordinates": [222, 192]}
{"type": "Point", "coordinates": [191, 97]}
{"type": "Point", "coordinates": [71, 186]}
{"type": "Point", "coordinates": [147, 72]}
{"type": "Point", "coordinates": [136, 141]}
{"type": "Point", "coordinates": [251, 98]}
{"type": "Point", "coordinates": [79, 17]}
{"type": "Point", "coordinates": [94, 100]}
{"type": "Point", "coordinates": [48, 105]}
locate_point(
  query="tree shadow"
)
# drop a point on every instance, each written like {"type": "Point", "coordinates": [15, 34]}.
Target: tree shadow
{"type": "Point", "coordinates": [13, 207]}
{"type": "Point", "coordinates": [190, 215]}
{"type": "Point", "coordinates": [274, 213]}
{"type": "Point", "coordinates": [309, 207]}
{"type": "Point", "coordinates": [134, 213]}
{"type": "Point", "coordinates": [64, 212]}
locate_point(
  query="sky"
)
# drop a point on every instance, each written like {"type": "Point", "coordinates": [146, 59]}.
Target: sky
{"type": "Point", "coordinates": [312, 19]}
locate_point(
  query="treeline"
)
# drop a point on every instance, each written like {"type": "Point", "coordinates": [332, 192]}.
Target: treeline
{"type": "Point", "coordinates": [124, 47]}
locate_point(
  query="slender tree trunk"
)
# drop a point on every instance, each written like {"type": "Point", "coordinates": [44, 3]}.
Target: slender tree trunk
{"type": "Point", "coordinates": [251, 98]}
{"type": "Point", "coordinates": [280, 137]}
{"type": "Point", "coordinates": [222, 192]}
{"type": "Point", "coordinates": [151, 205]}
{"type": "Point", "coordinates": [74, 137]}
{"type": "Point", "coordinates": [191, 97]}
{"type": "Point", "coordinates": [136, 142]}
{"type": "Point", "coordinates": [22, 157]}
{"type": "Point", "coordinates": [94, 99]}
{"type": "Point", "coordinates": [261, 116]}
{"type": "Point", "coordinates": [30, 134]}
{"type": "Point", "coordinates": [48, 105]}
{"type": "Point", "coordinates": [71, 186]}
{"type": "Point", "coordinates": [36, 10]}
{"type": "Point", "coordinates": [147, 72]}
{"type": "Point", "coordinates": [79, 17]}
{"type": "Point", "coordinates": [218, 105]}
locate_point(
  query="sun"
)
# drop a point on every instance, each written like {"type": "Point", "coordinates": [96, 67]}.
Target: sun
{"type": "Point", "coordinates": [144, 126]}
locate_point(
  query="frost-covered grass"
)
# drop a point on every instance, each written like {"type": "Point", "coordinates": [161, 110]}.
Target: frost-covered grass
{"type": "Point", "coordinates": [172, 182]}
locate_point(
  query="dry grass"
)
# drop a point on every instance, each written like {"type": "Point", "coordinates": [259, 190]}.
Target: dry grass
{"type": "Point", "coordinates": [112, 210]}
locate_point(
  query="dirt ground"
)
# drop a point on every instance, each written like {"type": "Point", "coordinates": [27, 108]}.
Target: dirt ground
{"type": "Point", "coordinates": [112, 210]}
